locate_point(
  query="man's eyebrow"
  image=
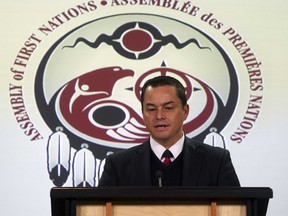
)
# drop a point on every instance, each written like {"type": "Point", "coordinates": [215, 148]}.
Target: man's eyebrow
{"type": "Point", "coordinates": [164, 104]}
{"type": "Point", "coordinates": [150, 104]}
{"type": "Point", "coordinates": [168, 103]}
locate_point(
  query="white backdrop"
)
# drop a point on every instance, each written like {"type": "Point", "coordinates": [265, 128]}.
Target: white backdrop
{"type": "Point", "coordinates": [260, 160]}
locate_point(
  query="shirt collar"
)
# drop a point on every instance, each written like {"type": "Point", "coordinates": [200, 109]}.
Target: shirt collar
{"type": "Point", "coordinates": [175, 149]}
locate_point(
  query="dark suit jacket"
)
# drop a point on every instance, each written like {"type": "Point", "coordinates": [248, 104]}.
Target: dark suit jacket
{"type": "Point", "coordinates": [203, 165]}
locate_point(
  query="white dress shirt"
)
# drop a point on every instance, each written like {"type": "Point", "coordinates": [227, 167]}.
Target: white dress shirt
{"type": "Point", "coordinates": [175, 149]}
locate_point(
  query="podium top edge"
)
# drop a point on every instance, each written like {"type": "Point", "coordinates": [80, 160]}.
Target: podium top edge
{"type": "Point", "coordinates": [158, 193]}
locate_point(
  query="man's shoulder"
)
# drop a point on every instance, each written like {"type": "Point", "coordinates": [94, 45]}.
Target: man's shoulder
{"type": "Point", "coordinates": [138, 149]}
{"type": "Point", "coordinates": [203, 147]}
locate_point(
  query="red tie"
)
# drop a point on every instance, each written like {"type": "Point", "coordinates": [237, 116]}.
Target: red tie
{"type": "Point", "coordinates": [167, 155]}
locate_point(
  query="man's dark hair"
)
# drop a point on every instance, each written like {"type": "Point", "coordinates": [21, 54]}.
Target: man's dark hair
{"type": "Point", "coordinates": [163, 81]}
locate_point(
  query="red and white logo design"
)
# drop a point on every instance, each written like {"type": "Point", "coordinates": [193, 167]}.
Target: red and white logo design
{"type": "Point", "coordinates": [93, 106]}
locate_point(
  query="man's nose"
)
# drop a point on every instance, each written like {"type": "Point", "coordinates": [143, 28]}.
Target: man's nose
{"type": "Point", "coordinates": [159, 114]}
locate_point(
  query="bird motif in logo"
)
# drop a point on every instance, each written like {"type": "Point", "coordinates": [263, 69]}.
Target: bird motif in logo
{"type": "Point", "coordinates": [85, 106]}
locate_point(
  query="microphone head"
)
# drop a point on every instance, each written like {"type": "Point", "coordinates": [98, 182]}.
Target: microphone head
{"type": "Point", "coordinates": [159, 174]}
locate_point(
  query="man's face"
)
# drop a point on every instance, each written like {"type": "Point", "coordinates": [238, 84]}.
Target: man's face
{"type": "Point", "coordinates": [163, 114]}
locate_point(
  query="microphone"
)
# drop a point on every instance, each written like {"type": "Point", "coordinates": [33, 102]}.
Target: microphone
{"type": "Point", "coordinates": [159, 176]}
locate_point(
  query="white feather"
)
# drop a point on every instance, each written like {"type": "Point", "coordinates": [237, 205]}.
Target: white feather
{"type": "Point", "coordinates": [58, 150]}
{"type": "Point", "coordinates": [84, 168]}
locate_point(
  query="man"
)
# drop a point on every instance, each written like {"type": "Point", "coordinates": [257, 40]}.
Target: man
{"type": "Point", "coordinates": [164, 109]}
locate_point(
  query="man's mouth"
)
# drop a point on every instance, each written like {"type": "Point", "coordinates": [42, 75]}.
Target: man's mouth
{"type": "Point", "coordinates": [161, 126]}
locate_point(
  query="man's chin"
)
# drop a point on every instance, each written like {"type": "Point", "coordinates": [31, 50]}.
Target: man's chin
{"type": "Point", "coordinates": [160, 137]}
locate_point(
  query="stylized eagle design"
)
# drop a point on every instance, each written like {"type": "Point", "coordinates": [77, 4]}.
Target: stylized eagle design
{"type": "Point", "coordinates": [86, 106]}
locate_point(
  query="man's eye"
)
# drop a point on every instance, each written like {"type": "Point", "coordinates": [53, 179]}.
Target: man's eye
{"type": "Point", "coordinates": [151, 109]}
{"type": "Point", "coordinates": [168, 108]}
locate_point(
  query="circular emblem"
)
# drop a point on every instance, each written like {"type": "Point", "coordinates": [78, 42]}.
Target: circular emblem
{"type": "Point", "coordinates": [101, 66]}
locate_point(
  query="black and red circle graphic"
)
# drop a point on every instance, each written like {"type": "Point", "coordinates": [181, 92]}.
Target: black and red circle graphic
{"type": "Point", "coordinates": [137, 40]}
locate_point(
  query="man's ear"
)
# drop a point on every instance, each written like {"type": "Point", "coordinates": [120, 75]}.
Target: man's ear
{"type": "Point", "coordinates": [186, 109]}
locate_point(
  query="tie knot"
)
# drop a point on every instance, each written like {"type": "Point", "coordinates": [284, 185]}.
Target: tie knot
{"type": "Point", "coordinates": [167, 154]}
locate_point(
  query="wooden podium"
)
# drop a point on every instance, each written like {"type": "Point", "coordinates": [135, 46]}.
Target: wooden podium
{"type": "Point", "coordinates": [150, 201]}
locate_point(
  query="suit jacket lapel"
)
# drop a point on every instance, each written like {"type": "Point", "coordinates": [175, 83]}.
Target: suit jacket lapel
{"type": "Point", "coordinates": [192, 162]}
{"type": "Point", "coordinates": [142, 163]}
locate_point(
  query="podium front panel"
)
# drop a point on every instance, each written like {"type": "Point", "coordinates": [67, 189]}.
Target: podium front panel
{"type": "Point", "coordinates": [224, 208]}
